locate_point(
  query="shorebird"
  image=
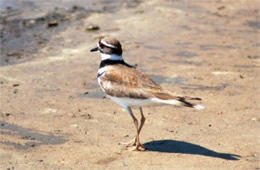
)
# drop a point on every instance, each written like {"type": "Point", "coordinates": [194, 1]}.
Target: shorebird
{"type": "Point", "coordinates": [129, 87]}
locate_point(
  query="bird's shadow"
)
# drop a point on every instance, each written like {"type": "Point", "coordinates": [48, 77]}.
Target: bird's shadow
{"type": "Point", "coordinates": [173, 146]}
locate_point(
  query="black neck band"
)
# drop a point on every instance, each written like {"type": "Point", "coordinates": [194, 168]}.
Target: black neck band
{"type": "Point", "coordinates": [113, 62]}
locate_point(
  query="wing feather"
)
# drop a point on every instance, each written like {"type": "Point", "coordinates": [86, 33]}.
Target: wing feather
{"type": "Point", "coordinates": [122, 81]}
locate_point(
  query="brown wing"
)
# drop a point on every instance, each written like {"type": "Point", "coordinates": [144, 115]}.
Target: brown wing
{"type": "Point", "coordinates": [122, 81]}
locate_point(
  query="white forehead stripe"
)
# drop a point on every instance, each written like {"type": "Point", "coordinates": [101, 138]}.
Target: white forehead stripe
{"type": "Point", "coordinates": [108, 45]}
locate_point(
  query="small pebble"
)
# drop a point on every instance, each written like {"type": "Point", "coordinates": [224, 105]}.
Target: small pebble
{"type": "Point", "coordinates": [253, 57]}
{"type": "Point", "coordinates": [221, 7]}
{"type": "Point", "coordinates": [16, 84]}
{"type": "Point", "coordinates": [93, 28]}
{"type": "Point", "coordinates": [53, 24]}
{"type": "Point", "coordinates": [15, 91]}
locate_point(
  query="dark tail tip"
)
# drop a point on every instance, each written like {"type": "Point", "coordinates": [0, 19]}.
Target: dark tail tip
{"type": "Point", "coordinates": [188, 104]}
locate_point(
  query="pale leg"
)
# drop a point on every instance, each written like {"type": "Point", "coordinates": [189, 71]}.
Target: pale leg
{"type": "Point", "coordinates": [137, 145]}
{"type": "Point", "coordinates": [142, 120]}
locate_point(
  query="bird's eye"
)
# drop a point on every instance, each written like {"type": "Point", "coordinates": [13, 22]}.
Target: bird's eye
{"type": "Point", "coordinates": [101, 45]}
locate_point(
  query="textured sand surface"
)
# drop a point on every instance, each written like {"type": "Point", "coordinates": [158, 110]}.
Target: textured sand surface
{"type": "Point", "coordinates": [53, 114]}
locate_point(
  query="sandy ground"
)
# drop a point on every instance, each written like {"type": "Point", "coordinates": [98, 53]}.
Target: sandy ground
{"type": "Point", "coordinates": [54, 116]}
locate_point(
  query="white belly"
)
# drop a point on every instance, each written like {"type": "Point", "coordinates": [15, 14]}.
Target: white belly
{"type": "Point", "coordinates": [133, 102]}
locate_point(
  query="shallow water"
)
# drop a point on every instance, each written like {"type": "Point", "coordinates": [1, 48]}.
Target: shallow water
{"type": "Point", "coordinates": [45, 6]}
{"type": "Point", "coordinates": [26, 26]}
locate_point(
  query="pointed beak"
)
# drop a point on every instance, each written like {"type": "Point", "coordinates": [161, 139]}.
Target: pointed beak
{"type": "Point", "coordinates": [94, 49]}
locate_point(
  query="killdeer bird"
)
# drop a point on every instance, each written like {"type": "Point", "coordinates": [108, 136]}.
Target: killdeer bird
{"type": "Point", "coordinates": [129, 87]}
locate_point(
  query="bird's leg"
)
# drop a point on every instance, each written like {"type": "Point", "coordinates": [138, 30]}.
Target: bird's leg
{"type": "Point", "coordinates": [142, 120]}
{"type": "Point", "coordinates": [133, 141]}
{"type": "Point", "coordinates": [137, 145]}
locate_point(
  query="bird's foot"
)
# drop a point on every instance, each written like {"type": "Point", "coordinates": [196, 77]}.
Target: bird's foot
{"type": "Point", "coordinates": [134, 145]}
{"type": "Point", "coordinates": [130, 143]}
{"type": "Point", "coordinates": [137, 147]}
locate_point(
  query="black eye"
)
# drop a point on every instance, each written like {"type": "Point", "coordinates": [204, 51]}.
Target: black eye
{"type": "Point", "coordinates": [101, 45]}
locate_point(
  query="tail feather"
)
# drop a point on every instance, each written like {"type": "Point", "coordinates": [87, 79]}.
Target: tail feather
{"type": "Point", "coordinates": [166, 98]}
{"type": "Point", "coordinates": [199, 107]}
{"type": "Point", "coordinates": [192, 98]}
{"type": "Point", "coordinates": [181, 101]}
{"type": "Point", "coordinates": [188, 104]}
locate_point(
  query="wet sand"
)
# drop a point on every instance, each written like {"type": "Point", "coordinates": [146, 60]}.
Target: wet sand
{"type": "Point", "coordinates": [54, 116]}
